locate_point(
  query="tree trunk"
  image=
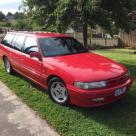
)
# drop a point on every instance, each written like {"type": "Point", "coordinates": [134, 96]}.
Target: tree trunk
{"type": "Point", "coordinates": [85, 34]}
{"type": "Point", "coordinates": [85, 26]}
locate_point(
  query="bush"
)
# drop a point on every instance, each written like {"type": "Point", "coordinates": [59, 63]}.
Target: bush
{"type": "Point", "coordinates": [22, 25]}
{"type": "Point", "coordinates": [97, 47]}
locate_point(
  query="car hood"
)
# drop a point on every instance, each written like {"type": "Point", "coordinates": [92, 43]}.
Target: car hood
{"type": "Point", "coordinates": [87, 66]}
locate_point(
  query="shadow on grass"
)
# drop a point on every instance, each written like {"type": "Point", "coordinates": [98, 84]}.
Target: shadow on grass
{"type": "Point", "coordinates": [120, 116]}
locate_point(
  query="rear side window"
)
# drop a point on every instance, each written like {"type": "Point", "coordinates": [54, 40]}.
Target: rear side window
{"type": "Point", "coordinates": [19, 41]}
{"type": "Point", "coordinates": [30, 45]}
{"type": "Point", "coordinates": [8, 40]}
{"type": "Point", "coordinates": [14, 40]}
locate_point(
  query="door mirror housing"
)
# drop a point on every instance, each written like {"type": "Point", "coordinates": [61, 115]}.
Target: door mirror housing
{"type": "Point", "coordinates": [36, 56]}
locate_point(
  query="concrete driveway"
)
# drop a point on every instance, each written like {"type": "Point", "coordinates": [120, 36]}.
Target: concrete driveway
{"type": "Point", "coordinates": [16, 119]}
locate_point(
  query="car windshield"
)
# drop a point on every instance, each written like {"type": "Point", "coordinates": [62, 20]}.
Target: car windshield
{"type": "Point", "coordinates": [60, 46]}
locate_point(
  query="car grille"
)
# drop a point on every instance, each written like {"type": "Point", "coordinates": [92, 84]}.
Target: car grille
{"type": "Point", "coordinates": [117, 81]}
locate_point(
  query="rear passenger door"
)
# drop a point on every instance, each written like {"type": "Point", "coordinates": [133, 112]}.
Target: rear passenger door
{"type": "Point", "coordinates": [16, 55]}
{"type": "Point", "coordinates": [33, 67]}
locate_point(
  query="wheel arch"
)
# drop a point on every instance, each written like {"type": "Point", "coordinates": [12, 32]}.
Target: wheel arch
{"type": "Point", "coordinates": [3, 57]}
{"type": "Point", "coordinates": [54, 76]}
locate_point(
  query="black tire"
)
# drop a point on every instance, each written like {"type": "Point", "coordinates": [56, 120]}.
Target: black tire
{"type": "Point", "coordinates": [62, 101]}
{"type": "Point", "coordinates": [7, 65]}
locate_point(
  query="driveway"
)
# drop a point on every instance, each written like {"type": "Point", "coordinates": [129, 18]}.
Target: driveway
{"type": "Point", "coordinates": [16, 119]}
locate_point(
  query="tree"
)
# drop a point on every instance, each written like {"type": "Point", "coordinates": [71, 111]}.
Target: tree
{"type": "Point", "coordinates": [105, 13]}
{"type": "Point", "coordinates": [133, 4]}
{"type": "Point", "coordinates": [40, 10]}
{"type": "Point", "coordinates": [2, 16]}
{"type": "Point", "coordinates": [81, 14]}
{"type": "Point", "coordinates": [19, 15]}
{"type": "Point", "coordinates": [9, 14]}
{"type": "Point", "coordinates": [22, 25]}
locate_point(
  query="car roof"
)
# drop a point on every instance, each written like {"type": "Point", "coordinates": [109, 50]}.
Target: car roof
{"type": "Point", "coordinates": [40, 34]}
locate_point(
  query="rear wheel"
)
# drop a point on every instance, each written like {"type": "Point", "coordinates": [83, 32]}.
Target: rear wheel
{"type": "Point", "coordinates": [8, 66]}
{"type": "Point", "coordinates": [58, 91]}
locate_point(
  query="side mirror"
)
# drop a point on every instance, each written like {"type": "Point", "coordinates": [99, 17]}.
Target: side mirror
{"type": "Point", "coordinates": [36, 56]}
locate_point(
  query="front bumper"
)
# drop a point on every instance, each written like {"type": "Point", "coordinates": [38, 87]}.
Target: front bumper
{"type": "Point", "coordinates": [85, 98]}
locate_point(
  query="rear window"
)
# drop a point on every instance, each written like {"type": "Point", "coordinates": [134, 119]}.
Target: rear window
{"type": "Point", "coordinates": [8, 40]}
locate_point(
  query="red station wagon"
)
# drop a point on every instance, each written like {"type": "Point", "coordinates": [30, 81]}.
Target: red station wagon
{"type": "Point", "coordinates": [61, 65]}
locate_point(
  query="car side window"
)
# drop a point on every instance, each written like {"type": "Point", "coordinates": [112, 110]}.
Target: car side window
{"type": "Point", "coordinates": [30, 45]}
{"type": "Point", "coordinates": [19, 42]}
{"type": "Point", "coordinates": [7, 40]}
{"type": "Point", "coordinates": [14, 40]}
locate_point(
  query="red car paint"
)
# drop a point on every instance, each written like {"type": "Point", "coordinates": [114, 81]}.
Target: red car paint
{"type": "Point", "coordinates": [83, 67]}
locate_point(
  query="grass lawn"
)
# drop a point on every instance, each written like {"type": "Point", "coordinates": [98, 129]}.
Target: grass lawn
{"type": "Point", "coordinates": [117, 119]}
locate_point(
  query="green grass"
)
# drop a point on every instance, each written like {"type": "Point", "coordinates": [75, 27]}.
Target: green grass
{"type": "Point", "coordinates": [117, 119]}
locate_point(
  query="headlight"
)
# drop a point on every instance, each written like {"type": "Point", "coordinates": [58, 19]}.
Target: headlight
{"type": "Point", "coordinates": [90, 85]}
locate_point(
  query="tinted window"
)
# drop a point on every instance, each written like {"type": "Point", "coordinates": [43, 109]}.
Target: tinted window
{"type": "Point", "coordinates": [30, 45]}
{"type": "Point", "coordinates": [60, 46]}
{"type": "Point", "coordinates": [19, 41]}
{"type": "Point", "coordinates": [8, 39]}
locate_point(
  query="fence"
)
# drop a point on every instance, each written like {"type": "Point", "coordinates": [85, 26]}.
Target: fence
{"type": "Point", "coordinates": [104, 41]}
{"type": "Point", "coordinates": [96, 41]}
{"type": "Point", "coordinates": [101, 41]}
{"type": "Point", "coordinates": [128, 40]}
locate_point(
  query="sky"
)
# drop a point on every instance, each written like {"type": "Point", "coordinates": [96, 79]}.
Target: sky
{"type": "Point", "coordinates": [9, 5]}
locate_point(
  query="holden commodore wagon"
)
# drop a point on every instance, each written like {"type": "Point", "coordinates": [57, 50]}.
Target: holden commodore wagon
{"type": "Point", "coordinates": [63, 67]}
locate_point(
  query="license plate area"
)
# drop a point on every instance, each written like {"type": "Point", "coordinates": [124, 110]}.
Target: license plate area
{"type": "Point", "coordinates": [120, 91]}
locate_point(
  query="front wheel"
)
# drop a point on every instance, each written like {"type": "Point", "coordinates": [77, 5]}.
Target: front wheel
{"type": "Point", "coordinates": [58, 91]}
{"type": "Point", "coordinates": [8, 66]}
